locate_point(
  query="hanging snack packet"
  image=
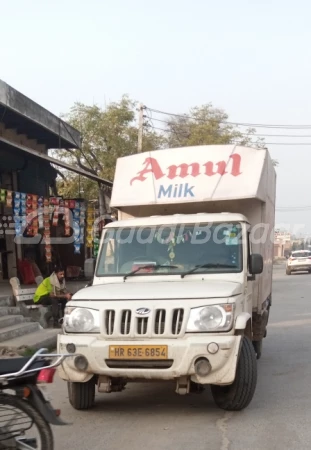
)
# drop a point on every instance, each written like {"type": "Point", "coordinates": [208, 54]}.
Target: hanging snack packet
{"type": "Point", "coordinates": [76, 213]}
{"type": "Point", "coordinates": [55, 216]}
{"type": "Point", "coordinates": [9, 199]}
{"type": "Point", "coordinates": [41, 222]}
{"type": "Point", "coordinates": [18, 230]}
{"type": "Point", "coordinates": [67, 231]}
{"type": "Point", "coordinates": [2, 195]}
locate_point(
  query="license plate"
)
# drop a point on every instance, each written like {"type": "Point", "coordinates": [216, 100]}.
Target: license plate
{"type": "Point", "coordinates": [138, 352]}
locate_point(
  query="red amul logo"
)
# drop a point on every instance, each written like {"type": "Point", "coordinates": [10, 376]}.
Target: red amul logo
{"type": "Point", "coordinates": [183, 190]}
{"type": "Point", "coordinates": [184, 170]}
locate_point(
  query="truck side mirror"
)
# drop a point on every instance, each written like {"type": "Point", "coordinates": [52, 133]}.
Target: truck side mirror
{"type": "Point", "coordinates": [256, 264]}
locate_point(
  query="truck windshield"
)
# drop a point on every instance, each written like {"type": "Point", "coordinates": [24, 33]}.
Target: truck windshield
{"type": "Point", "coordinates": [171, 249]}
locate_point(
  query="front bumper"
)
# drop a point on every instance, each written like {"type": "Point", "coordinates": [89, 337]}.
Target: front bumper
{"type": "Point", "coordinates": [181, 352]}
{"type": "Point", "coordinates": [299, 267]}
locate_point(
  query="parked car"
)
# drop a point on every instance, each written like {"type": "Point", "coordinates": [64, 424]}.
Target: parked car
{"type": "Point", "coordinates": [299, 261]}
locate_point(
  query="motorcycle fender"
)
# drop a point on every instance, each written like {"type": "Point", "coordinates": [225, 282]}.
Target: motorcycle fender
{"type": "Point", "coordinates": [44, 407]}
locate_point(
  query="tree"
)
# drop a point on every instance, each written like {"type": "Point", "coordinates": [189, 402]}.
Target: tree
{"type": "Point", "coordinates": [107, 134]}
{"type": "Point", "coordinates": [205, 125]}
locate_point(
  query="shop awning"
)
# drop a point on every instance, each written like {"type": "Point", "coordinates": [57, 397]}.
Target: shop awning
{"type": "Point", "coordinates": [55, 161]}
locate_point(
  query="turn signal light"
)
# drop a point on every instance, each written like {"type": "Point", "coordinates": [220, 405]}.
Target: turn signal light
{"type": "Point", "coordinates": [46, 375]}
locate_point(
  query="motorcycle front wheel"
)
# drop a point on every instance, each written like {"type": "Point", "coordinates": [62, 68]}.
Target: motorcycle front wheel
{"type": "Point", "coordinates": [17, 420]}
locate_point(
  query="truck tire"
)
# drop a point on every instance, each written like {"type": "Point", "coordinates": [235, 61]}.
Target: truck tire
{"type": "Point", "coordinates": [258, 347]}
{"type": "Point", "coordinates": [81, 395]}
{"type": "Point", "coordinates": [238, 395]}
{"type": "Point", "coordinates": [288, 272]}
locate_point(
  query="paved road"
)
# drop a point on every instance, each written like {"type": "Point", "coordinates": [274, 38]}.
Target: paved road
{"type": "Point", "coordinates": [153, 417]}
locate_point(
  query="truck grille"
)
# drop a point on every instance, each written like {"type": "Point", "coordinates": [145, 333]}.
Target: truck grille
{"type": "Point", "coordinates": [109, 321]}
{"type": "Point", "coordinates": [178, 318]}
{"type": "Point", "coordinates": [142, 325]}
{"type": "Point", "coordinates": [126, 321]}
{"type": "Point", "coordinates": [160, 322]}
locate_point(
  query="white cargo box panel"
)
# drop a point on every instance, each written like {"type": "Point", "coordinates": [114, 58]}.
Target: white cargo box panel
{"type": "Point", "coordinates": [190, 174]}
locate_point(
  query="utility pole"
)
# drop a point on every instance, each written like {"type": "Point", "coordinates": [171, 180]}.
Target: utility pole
{"type": "Point", "coordinates": [140, 127]}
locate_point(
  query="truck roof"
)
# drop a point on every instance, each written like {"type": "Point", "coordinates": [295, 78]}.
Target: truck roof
{"type": "Point", "coordinates": [179, 219]}
{"type": "Point", "coordinates": [189, 175]}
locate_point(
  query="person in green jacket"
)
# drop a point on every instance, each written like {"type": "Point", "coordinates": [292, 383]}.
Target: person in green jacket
{"type": "Point", "coordinates": [52, 291]}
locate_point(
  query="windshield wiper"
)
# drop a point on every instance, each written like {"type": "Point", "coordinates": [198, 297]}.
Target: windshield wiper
{"type": "Point", "coordinates": [208, 266]}
{"type": "Point", "coordinates": [148, 266]}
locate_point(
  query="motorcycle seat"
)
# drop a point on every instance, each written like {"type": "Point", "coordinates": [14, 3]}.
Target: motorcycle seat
{"type": "Point", "coordinates": [13, 365]}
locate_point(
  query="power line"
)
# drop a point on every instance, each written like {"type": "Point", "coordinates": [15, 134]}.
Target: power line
{"type": "Point", "coordinates": [281, 208]}
{"type": "Point", "coordinates": [244, 124]}
{"type": "Point", "coordinates": [250, 134]}
{"type": "Point", "coordinates": [236, 142]}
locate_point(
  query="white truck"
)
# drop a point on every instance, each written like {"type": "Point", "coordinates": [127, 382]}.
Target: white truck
{"type": "Point", "coordinates": [182, 284]}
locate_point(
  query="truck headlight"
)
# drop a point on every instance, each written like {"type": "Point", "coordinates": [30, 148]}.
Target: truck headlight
{"type": "Point", "coordinates": [211, 318]}
{"type": "Point", "coordinates": [81, 320]}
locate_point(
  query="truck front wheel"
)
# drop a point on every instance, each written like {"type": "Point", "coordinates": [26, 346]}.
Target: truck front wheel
{"type": "Point", "coordinates": [238, 395]}
{"type": "Point", "coordinates": [82, 395]}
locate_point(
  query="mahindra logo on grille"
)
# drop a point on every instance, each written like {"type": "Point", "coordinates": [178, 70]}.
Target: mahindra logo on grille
{"type": "Point", "coordinates": [143, 311]}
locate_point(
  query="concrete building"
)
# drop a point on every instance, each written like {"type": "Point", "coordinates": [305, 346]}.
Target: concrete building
{"type": "Point", "coordinates": [27, 132]}
{"type": "Point", "coordinates": [282, 243]}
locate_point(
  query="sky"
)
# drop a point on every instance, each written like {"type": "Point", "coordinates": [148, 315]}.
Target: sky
{"type": "Point", "coordinates": [250, 58]}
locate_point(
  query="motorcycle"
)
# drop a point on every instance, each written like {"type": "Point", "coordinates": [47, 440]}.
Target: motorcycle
{"type": "Point", "coordinates": [24, 404]}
